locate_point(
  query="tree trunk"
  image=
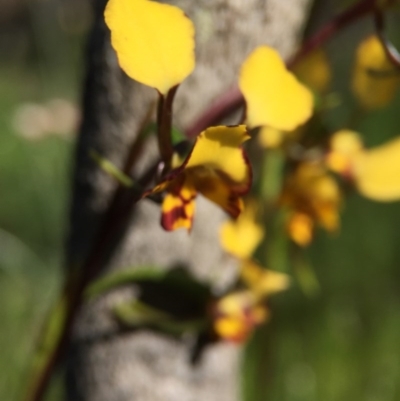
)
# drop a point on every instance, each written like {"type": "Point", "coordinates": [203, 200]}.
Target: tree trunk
{"type": "Point", "coordinates": [143, 365]}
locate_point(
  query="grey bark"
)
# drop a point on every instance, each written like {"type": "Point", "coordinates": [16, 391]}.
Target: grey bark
{"type": "Point", "coordinates": [144, 365]}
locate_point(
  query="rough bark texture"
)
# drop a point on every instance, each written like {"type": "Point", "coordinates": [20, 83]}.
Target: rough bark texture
{"type": "Point", "coordinates": [144, 365]}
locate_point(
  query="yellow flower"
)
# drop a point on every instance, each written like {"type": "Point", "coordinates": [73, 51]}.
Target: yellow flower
{"type": "Point", "coordinates": [273, 95]}
{"type": "Point", "coordinates": [216, 167]}
{"type": "Point", "coordinates": [241, 237]}
{"type": "Point", "coordinates": [310, 191]}
{"type": "Point", "coordinates": [345, 145]}
{"type": "Point", "coordinates": [270, 138]}
{"type": "Point", "coordinates": [154, 42]}
{"type": "Point", "coordinates": [375, 78]}
{"type": "Point", "coordinates": [262, 282]}
{"type": "Point", "coordinates": [236, 316]}
{"type": "Point", "coordinates": [238, 313]}
{"type": "Point", "coordinates": [375, 172]}
{"type": "Point", "coordinates": [301, 228]}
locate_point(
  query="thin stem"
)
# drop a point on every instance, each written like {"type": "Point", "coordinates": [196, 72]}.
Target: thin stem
{"type": "Point", "coordinates": [164, 126]}
{"type": "Point", "coordinates": [390, 50]}
{"type": "Point", "coordinates": [339, 22]}
{"type": "Point", "coordinates": [223, 106]}
{"type": "Point", "coordinates": [303, 269]}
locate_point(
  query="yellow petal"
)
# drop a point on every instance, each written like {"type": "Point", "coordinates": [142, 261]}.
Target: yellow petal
{"type": "Point", "coordinates": [377, 172]}
{"type": "Point", "coordinates": [325, 200]}
{"type": "Point", "coordinates": [233, 304]}
{"type": "Point", "coordinates": [345, 145]}
{"type": "Point", "coordinates": [273, 95]}
{"type": "Point", "coordinates": [263, 282]}
{"type": "Point", "coordinates": [179, 205]}
{"type": "Point", "coordinates": [232, 329]}
{"type": "Point", "coordinates": [346, 141]}
{"type": "Point", "coordinates": [300, 228]}
{"type": "Point", "coordinates": [375, 79]}
{"type": "Point", "coordinates": [219, 148]}
{"type": "Point", "coordinates": [241, 237]}
{"type": "Point", "coordinates": [314, 70]}
{"type": "Point", "coordinates": [312, 191]}
{"type": "Point", "coordinates": [154, 42]}
{"type": "Point", "coordinates": [269, 137]}
{"type": "Point", "coordinates": [237, 314]}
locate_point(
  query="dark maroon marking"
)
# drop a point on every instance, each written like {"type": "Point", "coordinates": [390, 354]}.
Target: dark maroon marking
{"type": "Point", "coordinates": [168, 218]}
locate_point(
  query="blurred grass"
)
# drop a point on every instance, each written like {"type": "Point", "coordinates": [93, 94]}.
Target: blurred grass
{"type": "Point", "coordinates": [342, 345]}
{"type": "Point", "coordinates": [41, 46]}
{"type": "Point", "coordinates": [34, 179]}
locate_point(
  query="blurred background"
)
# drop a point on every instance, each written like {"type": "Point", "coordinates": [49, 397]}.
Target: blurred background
{"type": "Point", "coordinates": [41, 71]}
{"type": "Point", "coordinates": [342, 344]}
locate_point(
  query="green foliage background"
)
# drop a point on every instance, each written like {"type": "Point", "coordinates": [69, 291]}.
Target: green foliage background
{"type": "Point", "coordinates": [41, 62]}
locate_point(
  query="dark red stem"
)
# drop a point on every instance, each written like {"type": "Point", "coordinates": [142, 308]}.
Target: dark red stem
{"type": "Point", "coordinates": [223, 106]}
{"type": "Point", "coordinates": [164, 126]}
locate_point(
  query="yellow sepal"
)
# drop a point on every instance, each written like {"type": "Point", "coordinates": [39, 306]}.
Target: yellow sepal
{"type": "Point", "coordinates": [154, 42]}
{"type": "Point", "coordinates": [300, 228]}
{"type": "Point", "coordinates": [263, 282]}
{"type": "Point", "coordinates": [375, 79]}
{"type": "Point", "coordinates": [377, 172]}
{"type": "Point", "coordinates": [345, 145]}
{"type": "Point", "coordinates": [241, 237]}
{"type": "Point", "coordinates": [269, 137]}
{"type": "Point", "coordinates": [273, 95]}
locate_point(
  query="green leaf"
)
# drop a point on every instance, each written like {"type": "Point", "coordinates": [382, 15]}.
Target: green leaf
{"type": "Point", "coordinates": [111, 169]}
{"type": "Point", "coordinates": [117, 279]}
{"type": "Point", "coordinates": [272, 172]}
{"type": "Point", "coordinates": [135, 314]}
{"type": "Point", "coordinates": [177, 278]}
{"type": "Point", "coordinates": [177, 136]}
